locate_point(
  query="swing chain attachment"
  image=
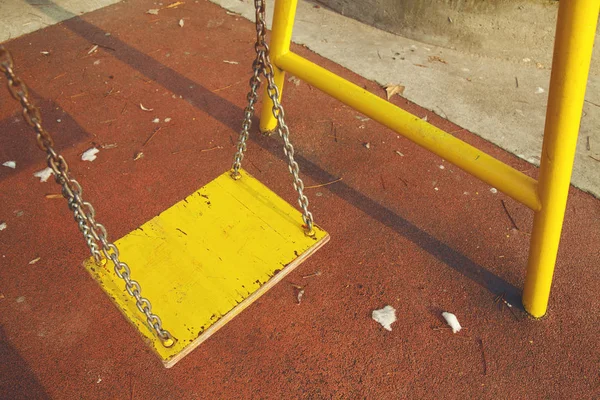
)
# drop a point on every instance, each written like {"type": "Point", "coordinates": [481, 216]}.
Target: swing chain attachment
{"type": "Point", "coordinates": [94, 233]}
{"type": "Point", "coordinates": [262, 65]}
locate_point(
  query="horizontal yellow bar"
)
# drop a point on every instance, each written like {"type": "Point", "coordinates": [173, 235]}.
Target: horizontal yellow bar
{"type": "Point", "coordinates": [474, 161]}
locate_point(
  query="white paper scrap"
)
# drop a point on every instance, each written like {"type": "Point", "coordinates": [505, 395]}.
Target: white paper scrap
{"type": "Point", "coordinates": [452, 321]}
{"type": "Point", "coordinates": [385, 316]}
{"type": "Point", "coordinates": [44, 174]}
{"type": "Point", "coordinates": [89, 155]}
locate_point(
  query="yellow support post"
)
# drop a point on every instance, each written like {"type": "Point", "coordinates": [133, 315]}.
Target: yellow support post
{"type": "Point", "coordinates": [281, 37]}
{"type": "Point", "coordinates": [575, 31]}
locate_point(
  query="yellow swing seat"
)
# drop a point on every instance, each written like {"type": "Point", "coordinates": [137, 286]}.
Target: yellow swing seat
{"type": "Point", "coordinates": [207, 258]}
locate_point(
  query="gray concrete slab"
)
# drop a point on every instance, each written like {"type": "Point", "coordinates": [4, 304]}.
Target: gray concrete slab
{"type": "Point", "coordinates": [19, 17]}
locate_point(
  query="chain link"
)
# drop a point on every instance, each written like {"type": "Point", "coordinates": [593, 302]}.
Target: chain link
{"type": "Point", "coordinates": [84, 214]}
{"type": "Point", "coordinates": [262, 65]}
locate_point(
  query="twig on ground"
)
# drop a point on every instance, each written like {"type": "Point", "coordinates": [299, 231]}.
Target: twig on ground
{"type": "Point", "coordinates": [483, 356]}
{"type": "Point", "coordinates": [156, 130]}
{"type": "Point", "coordinates": [322, 184]}
{"type": "Point", "coordinates": [512, 221]}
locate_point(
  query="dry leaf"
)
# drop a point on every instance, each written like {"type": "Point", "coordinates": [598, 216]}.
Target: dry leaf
{"type": "Point", "coordinates": [145, 109]}
{"type": "Point", "coordinates": [93, 49]}
{"type": "Point", "coordinates": [294, 80]}
{"type": "Point", "coordinates": [394, 89]}
{"type": "Point", "coordinates": [437, 58]}
{"type": "Point", "coordinates": [176, 4]}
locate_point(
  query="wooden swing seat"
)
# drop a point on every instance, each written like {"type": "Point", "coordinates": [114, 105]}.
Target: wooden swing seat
{"type": "Point", "coordinates": [208, 257]}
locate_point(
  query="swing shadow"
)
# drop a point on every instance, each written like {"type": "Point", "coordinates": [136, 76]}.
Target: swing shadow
{"type": "Point", "coordinates": [229, 114]}
{"type": "Point", "coordinates": [17, 139]}
{"type": "Point", "coordinates": [17, 381]}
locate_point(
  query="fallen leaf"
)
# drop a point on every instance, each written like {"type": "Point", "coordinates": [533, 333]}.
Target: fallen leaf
{"type": "Point", "coordinates": [93, 49]}
{"type": "Point", "coordinates": [294, 80]}
{"type": "Point", "coordinates": [145, 109]}
{"type": "Point", "coordinates": [394, 89]}
{"type": "Point", "coordinates": [175, 4]}
{"type": "Point", "coordinates": [181, 23]}
{"type": "Point", "coordinates": [437, 58]}
{"type": "Point", "coordinates": [152, 11]}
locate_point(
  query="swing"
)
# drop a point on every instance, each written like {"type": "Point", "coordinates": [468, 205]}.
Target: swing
{"type": "Point", "coordinates": [206, 258]}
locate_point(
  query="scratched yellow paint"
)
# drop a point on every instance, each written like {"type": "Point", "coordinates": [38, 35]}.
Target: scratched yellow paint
{"type": "Point", "coordinates": [203, 256]}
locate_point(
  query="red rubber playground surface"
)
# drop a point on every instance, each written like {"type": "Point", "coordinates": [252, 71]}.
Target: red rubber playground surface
{"type": "Point", "coordinates": [409, 230]}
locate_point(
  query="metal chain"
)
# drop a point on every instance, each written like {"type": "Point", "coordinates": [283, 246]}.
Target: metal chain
{"type": "Point", "coordinates": [94, 233]}
{"type": "Point", "coordinates": [262, 64]}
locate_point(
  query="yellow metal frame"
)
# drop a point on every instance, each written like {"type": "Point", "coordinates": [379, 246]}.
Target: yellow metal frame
{"type": "Point", "coordinates": [547, 197]}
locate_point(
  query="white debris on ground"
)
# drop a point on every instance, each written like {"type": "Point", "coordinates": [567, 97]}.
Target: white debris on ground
{"type": "Point", "coordinates": [10, 164]}
{"type": "Point", "coordinates": [2, 226]}
{"type": "Point", "coordinates": [494, 190]}
{"type": "Point", "coordinates": [90, 155]}
{"type": "Point", "coordinates": [152, 11]}
{"type": "Point", "coordinates": [156, 120]}
{"type": "Point", "coordinates": [452, 321]}
{"type": "Point", "coordinates": [385, 316]}
{"type": "Point", "coordinates": [181, 23]}
{"type": "Point", "coordinates": [539, 90]}
{"type": "Point", "coordinates": [44, 174]}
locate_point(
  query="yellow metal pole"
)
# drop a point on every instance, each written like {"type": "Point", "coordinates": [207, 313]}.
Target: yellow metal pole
{"type": "Point", "coordinates": [476, 162]}
{"type": "Point", "coordinates": [575, 31]}
{"type": "Point", "coordinates": [281, 37]}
